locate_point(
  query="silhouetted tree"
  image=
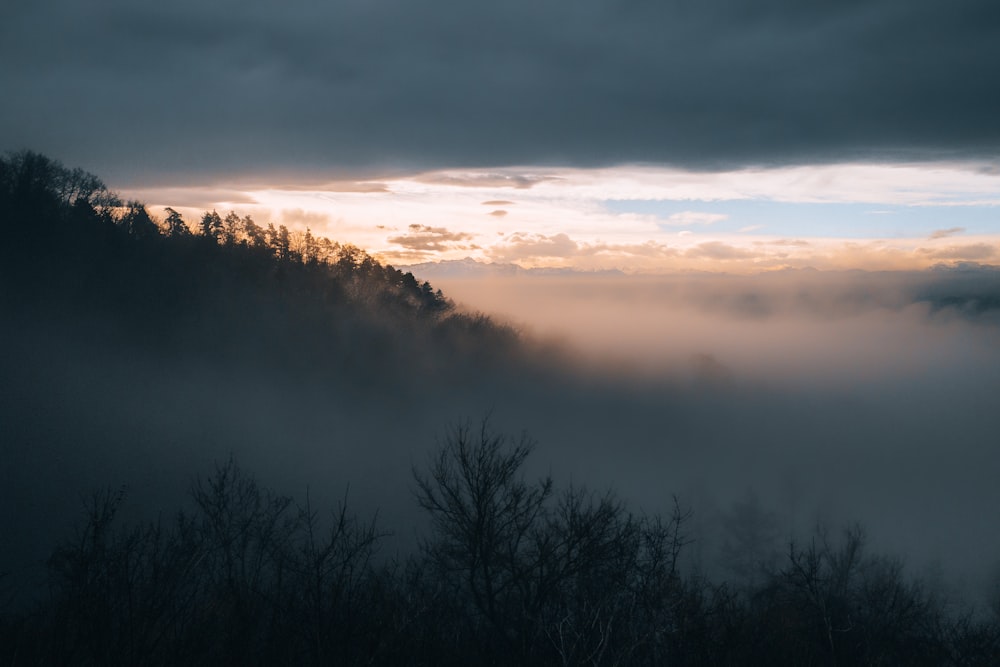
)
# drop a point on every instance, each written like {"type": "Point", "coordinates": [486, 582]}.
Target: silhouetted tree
{"type": "Point", "coordinates": [175, 224]}
{"type": "Point", "coordinates": [310, 249]}
{"type": "Point", "coordinates": [253, 233]}
{"type": "Point", "coordinates": [211, 226]}
{"type": "Point", "coordinates": [570, 579]}
{"type": "Point", "coordinates": [231, 226]}
{"type": "Point", "coordinates": [750, 541]}
{"type": "Point", "coordinates": [138, 222]}
{"type": "Point", "coordinates": [484, 512]}
{"type": "Point", "coordinates": [512, 573]}
{"type": "Point", "coordinates": [334, 579]}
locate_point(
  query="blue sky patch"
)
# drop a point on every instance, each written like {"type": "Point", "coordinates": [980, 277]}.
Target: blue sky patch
{"type": "Point", "coordinates": [833, 220]}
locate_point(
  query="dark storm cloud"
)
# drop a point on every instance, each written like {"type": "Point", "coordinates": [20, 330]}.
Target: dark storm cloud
{"type": "Point", "coordinates": [193, 87]}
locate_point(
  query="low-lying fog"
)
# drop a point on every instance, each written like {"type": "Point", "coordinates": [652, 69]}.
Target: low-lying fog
{"type": "Point", "coordinates": [787, 399]}
{"type": "Point", "coordinates": [828, 397]}
{"type": "Point", "coordinates": [790, 328]}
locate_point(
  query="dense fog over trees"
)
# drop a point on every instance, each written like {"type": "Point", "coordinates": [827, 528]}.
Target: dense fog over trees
{"type": "Point", "coordinates": [225, 441]}
{"type": "Point", "coordinates": [854, 394]}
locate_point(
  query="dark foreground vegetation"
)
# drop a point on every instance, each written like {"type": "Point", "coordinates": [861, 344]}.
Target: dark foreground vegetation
{"type": "Point", "coordinates": [510, 570]}
{"type": "Point", "coordinates": [513, 571]}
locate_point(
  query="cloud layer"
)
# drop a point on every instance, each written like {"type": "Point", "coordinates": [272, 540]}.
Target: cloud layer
{"type": "Point", "coordinates": [644, 219]}
{"type": "Point", "coordinates": [187, 87]}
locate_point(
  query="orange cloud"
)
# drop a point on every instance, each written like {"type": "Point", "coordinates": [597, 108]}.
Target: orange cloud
{"type": "Point", "coordinates": [430, 239]}
{"type": "Point", "coordinates": [971, 251]}
{"type": "Point", "coordinates": [718, 250]}
{"type": "Point", "coordinates": [944, 233]}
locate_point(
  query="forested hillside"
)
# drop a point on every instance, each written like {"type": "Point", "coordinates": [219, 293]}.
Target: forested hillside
{"type": "Point", "coordinates": [135, 350]}
{"type": "Point", "coordinates": [218, 448]}
{"type": "Point", "coordinates": [222, 288]}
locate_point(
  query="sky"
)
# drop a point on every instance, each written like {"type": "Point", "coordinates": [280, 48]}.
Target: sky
{"type": "Point", "coordinates": [633, 135]}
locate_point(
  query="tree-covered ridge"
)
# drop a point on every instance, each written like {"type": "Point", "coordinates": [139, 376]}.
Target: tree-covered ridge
{"type": "Point", "coordinates": [36, 191]}
{"type": "Point", "coordinates": [224, 285]}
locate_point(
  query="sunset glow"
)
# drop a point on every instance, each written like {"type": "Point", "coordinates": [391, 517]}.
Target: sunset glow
{"type": "Point", "coordinates": [646, 219]}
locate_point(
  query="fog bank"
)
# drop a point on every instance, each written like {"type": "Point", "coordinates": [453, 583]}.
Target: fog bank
{"type": "Point", "coordinates": [828, 396]}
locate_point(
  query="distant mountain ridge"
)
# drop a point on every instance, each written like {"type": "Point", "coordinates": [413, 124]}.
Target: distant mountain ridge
{"type": "Point", "coordinates": [473, 268]}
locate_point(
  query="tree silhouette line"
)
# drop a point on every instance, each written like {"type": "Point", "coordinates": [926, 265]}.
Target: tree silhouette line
{"type": "Point", "coordinates": [511, 571]}
{"type": "Point", "coordinates": [46, 207]}
{"type": "Point", "coordinates": [227, 288]}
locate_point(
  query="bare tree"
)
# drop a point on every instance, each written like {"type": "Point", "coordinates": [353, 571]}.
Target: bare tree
{"type": "Point", "coordinates": [484, 513]}
{"type": "Point", "coordinates": [334, 578]}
